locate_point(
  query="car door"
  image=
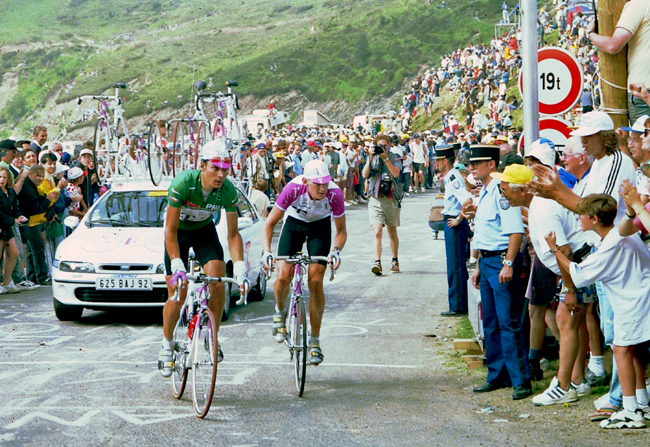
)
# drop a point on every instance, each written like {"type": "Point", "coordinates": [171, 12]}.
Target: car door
{"type": "Point", "coordinates": [250, 225]}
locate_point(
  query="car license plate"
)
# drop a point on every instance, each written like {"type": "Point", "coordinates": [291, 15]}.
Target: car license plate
{"type": "Point", "coordinates": [124, 282]}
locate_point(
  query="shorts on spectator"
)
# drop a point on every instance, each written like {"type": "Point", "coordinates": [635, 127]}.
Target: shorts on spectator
{"type": "Point", "coordinates": [636, 107]}
{"type": "Point", "coordinates": [383, 211]}
{"type": "Point", "coordinates": [585, 295]}
{"type": "Point", "coordinates": [418, 167]}
{"type": "Point", "coordinates": [543, 284]}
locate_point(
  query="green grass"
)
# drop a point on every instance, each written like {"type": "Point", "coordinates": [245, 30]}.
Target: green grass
{"type": "Point", "coordinates": [464, 328]}
{"type": "Point", "coordinates": [362, 48]}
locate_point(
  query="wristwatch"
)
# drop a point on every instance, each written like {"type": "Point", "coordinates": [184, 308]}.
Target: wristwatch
{"type": "Point", "coordinates": [507, 263]}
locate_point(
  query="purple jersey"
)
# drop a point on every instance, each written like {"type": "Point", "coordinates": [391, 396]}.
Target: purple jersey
{"type": "Point", "coordinates": [295, 201]}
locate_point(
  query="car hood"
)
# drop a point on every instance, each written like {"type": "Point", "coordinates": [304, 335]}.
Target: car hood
{"type": "Point", "coordinates": [113, 245]}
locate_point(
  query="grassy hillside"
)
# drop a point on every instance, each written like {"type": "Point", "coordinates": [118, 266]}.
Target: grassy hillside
{"type": "Point", "coordinates": [361, 49]}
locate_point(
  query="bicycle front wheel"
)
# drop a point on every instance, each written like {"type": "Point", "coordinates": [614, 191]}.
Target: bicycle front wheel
{"type": "Point", "coordinates": [101, 149]}
{"type": "Point", "coordinates": [299, 341]}
{"type": "Point", "coordinates": [178, 151]}
{"type": "Point", "coordinates": [204, 363]}
{"type": "Point", "coordinates": [180, 353]}
{"type": "Point", "coordinates": [201, 138]}
{"type": "Point", "coordinates": [155, 155]}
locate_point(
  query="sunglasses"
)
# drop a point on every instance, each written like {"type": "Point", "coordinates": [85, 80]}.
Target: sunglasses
{"type": "Point", "coordinates": [221, 161]}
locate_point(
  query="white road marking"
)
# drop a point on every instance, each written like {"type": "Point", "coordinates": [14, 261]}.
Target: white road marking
{"type": "Point", "coordinates": [83, 420]}
{"type": "Point", "coordinates": [221, 365]}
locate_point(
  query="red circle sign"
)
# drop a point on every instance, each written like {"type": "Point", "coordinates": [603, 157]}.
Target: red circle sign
{"type": "Point", "coordinates": [559, 80]}
{"type": "Point", "coordinates": [555, 129]}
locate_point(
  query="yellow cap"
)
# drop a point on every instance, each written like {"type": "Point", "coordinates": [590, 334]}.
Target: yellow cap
{"type": "Point", "coordinates": [517, 174]}
{"type": "Point", "coordinates": [278, 154]}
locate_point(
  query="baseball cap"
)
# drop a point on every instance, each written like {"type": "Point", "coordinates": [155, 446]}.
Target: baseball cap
{"type": "Point", "coordinates": [311, 143]}
{"type": "Point", "coordinates": [7, 145]}
{"type": "Point", "coordinates": [86, 152]}
{"type": "Point", "coordinates": [510, 158]}
{"type": "Point", "coordinates": [593, 122]}
{"type": "Point", "coordinates": [75, 173]}
{"type": "Point", "coordinates": [542, 151]}
{"type": "Point", "coordinates": [515, 174]}
{"type": "Point", "coordinates": [317, 172]}
{"type": "Point", "coordinates": [60, 167]}
{"type": "Point", "coordinates": [638, 126]}
{"type": "Point", "coordinates": [278, 154]}
{"type": "Point", "coordinates": [217, 153]}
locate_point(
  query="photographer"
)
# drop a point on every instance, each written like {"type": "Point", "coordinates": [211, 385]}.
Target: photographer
{"type": "Point", "coordinates": [381, 170]}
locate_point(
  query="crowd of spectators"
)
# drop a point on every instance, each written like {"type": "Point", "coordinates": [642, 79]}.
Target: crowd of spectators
{"type": "Point", "coordinates": [40, 185]}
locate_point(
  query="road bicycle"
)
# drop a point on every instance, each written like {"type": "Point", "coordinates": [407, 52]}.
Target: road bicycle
{"type": "Point", "coordinates": [195, 340]}
{"type": "Point", "coordinates": [110, 132]}
{"type": "Point", "coordinates": [157, 155]}
{"type": "Point", "coordinates": [190, 134]}
{"type": "Point", "coordinates": [296, 339]}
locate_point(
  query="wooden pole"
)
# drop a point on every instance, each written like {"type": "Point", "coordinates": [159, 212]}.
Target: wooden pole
{"type": "Point", "coordinates": [613, 69]}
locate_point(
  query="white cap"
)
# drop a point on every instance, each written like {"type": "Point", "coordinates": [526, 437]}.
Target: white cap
{"type": "Point", "coordinates": [638, 126]}
{"type": "Point", "coordinates": [593, 122]}
{"type": "Point", "coordinates": [574, 146]}
{"type": "Point", "coordinates": [543, 152]}
{"type": "Point", "coordinates": [60, 167]}
{"type": "Point", "coordinates": [86, 152]}
{"type": "Point", "coordinates": [317, 172]}
{"type": "Point", "coordinates": [338, 145]}
{"type": "Point", "coordinates": [75, 173]}
{"type": "Point", "coordinates": [213, 149]}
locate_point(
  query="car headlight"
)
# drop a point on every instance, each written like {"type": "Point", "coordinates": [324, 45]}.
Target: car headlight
{"type": "Point", "coordinates": [161, 269]}
{"type": "Point", "coordinates": [76, 267]}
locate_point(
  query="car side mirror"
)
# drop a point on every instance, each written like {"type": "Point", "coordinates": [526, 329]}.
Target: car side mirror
{"type": "Point", "coordinates": [71, 222]}
{"type": "Point", "coordinates": [244, 222]}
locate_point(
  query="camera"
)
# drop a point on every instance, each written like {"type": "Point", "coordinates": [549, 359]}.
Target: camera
{"type": "Point", "coordinates": [379, 149]}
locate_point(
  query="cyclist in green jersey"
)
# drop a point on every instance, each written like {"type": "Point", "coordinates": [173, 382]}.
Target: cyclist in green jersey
{"type": "Point", "coordinates": [194, 197]}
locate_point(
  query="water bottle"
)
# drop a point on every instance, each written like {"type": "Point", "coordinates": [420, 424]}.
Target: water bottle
{"type": "Point", "coordinates": [190, 329]}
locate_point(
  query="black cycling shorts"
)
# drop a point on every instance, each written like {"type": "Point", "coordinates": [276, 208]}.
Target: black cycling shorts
{"type": "Point", "coordinates": [295, 232]}
{"type": "Point", "coordinates": [205, 243]}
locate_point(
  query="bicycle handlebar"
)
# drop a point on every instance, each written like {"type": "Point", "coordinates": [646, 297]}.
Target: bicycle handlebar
{"type": "Point", "coordinates": [306, 259]}
{"type": "Point", "coordinates": [210, 279]}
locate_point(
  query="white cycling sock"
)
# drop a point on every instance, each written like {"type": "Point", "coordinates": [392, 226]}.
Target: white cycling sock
{"type": "Point", "coordinates": [166, 344]}
{"type": "Point", "coordinates": [314, 340]}
{"type": "Point", "coordinates": [596, 365]}
{"type": "Point", "coordinates": [642, 396]}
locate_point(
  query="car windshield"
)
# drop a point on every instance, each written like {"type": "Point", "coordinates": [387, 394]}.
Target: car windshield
{"type": "Point", "coordinates": [130, 209]}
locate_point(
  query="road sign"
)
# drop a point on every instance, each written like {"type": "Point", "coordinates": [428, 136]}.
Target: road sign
{"type": "Point", "coordinates": [560, 80]}
{"type": "Point", "coordinates": [555, 129]}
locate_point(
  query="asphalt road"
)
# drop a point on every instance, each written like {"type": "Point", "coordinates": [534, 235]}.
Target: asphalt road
{"type": "Point", "coordinates": [384, 381]}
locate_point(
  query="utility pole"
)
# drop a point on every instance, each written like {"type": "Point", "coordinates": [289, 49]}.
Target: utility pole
{"type": "Point", "coordinates": [528, 14]}
{"type": "Point", "coordinates": [613, 68]}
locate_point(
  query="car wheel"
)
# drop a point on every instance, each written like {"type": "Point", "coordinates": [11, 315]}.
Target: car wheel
{"type": "Point", "coordinates": [67, 313]}
{"type": "Point", "coordinates": [258, 292]}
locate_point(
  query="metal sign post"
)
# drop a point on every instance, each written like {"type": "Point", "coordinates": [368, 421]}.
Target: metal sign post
{"type": "Point", "coordinates": [529, 60]}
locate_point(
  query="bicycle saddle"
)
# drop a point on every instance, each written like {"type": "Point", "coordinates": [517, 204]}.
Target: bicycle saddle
{"type": "Point", "coordinates": [200, 85]}
{"type": "Point", "coordinates": [119, 85]}
{"type": "Point", "coordinates": [232, 83]}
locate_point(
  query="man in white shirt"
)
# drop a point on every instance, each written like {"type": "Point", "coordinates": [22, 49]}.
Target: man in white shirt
{"type": "Point", "coordinates": [420, 162]}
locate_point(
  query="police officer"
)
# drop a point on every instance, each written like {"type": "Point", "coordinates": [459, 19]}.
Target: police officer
{"type": "Point", "coordinates": [498, 233]}
{"type": "Point", "coordinates": [456, 230]}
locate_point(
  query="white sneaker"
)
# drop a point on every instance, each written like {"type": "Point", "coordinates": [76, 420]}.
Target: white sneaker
{"type": "Point", "coordinates": [582, 390]}
{"type": "Point", "coordinates": [646, 411]}
{"type": "Point", "coordinates": [354, 202]}
{"type": "Point", "coordinates": [555, 395]}
{"type": "Point", "coordinates": [348, 203]}
{"type": "Point", "coordinates": [12, 288]}
{"type": "Point", "coordinates": [2, 290]}
{"type": "Point", "coordinates": [410, 189]}
{"type": "Point", "coordinates": [423, 190]}
{"type": "Point", "coordinates": [28, 285]}
{"type": "Point", "coordinates": [624, 419]}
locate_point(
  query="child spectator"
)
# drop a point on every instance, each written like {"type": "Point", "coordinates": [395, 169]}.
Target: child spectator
{"type": "Point", "coordinates": [75, 179]}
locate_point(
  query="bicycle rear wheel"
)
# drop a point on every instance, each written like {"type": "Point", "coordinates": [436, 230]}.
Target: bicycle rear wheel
{"type": "Point", "coordinates": [178, 151]}
{"type": "Point", "coordinates": [204, 363]}
{"type": "Point", "coordinates": [180, 353]}
{"type": "Point", "coordinates": [299, 341]}
{"type": "Point", "coordinates": [200, 139]}
{"type": "Point", "coordinates": [156, 155]}
{"type": "Point", "coordinates": [101, 152]}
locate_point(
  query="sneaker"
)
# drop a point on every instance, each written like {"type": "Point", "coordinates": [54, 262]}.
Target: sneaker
{"type": "Point", "coordinates": [219, 353]}
{"type": "Point", "coordinates": [376, 268]}
{"type": "Point", "coordinates": [362, 200]}
{"type": "Point", "coordinates": [2, 290]}
{"type": "Point", "coordinates": [354, 202]}
{"type": "Point", "coordinates": [646, 411]}
{"type": "Point", "coordinates": [582, 390]}
{"type": "Point", "coordinates": [423, 190]}
{"type": "Point", "coordinates": [348, 203]}
{"type": "Point", "coordinates": [280, 326]}
{"type": "Point", "coordinates": [394, 266]}
{"type": "Point", "coordinates": [406, 194]}
{"type": "Point", "coordinates": [12, 288]}
{"type": "Point", "coordinates": [165, 362]}
{"type": "Point", "coordinates": [27, 285]}
{"type": "Point", "coordinates": [410, 189]}
{"type": "Point", "coordinates": [315, 354]}
{"type": "Point", "coordinates": [596, 380]}
{"type": "Point", "coordinates": [555, 395]}
{"type": "Point", "coordinates": [625, 419]}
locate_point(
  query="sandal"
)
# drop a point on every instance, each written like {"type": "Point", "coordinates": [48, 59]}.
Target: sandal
{"type": "Point", "coordinates": [603, 413]}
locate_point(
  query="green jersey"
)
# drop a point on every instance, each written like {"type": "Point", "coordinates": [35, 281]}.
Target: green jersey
{"type": "Point", "coordinates": [197, 210]}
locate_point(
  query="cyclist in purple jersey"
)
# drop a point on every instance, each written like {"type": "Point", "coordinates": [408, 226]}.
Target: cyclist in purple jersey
{"type": "Point", "coordinates": [310, 201]}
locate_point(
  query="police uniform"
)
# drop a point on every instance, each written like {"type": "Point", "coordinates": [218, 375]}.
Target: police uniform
{"type": "Point", "coordinates": [495, 221]}
{"type": "Point", "coordinates": [456, 244]}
